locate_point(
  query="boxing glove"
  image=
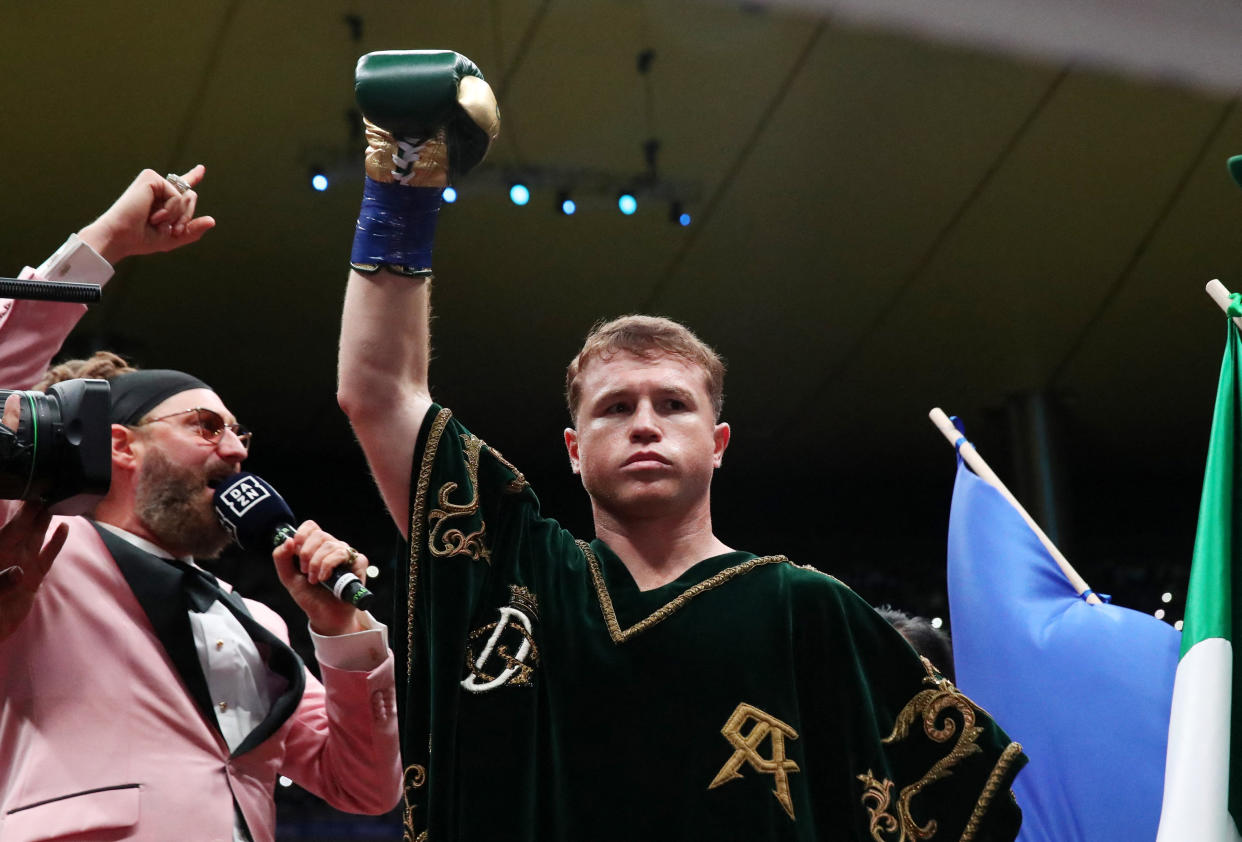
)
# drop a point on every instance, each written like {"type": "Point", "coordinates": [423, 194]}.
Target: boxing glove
{"type": "Point", "coordinates": [417, 94]}
{"type": "Point", "coordinates": [430, 117]}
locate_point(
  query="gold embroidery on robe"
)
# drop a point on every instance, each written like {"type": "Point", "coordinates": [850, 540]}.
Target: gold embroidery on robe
{"type": "Point", "coordinates": [515, 625]}
{"type": "Point", "coordinates": [445, 543]}
{"type": "Point", "coordinates": [620, 635]}
{"type": "Point", "coordinates": [999, 773]}
{"type": "Point", "coordinates": [896, 823]}
{"type": "Point", "coordinates": [876, 798]}
{"type": "Point", "coordinates": [416, 529]}
{"type": "Point", "coordinates": [415, 777]}
{"type": "Point", "coordinates": [746, 750]}
{"type": "Point", "coordinates": [519, 664]}
{"type": "Point", "coordinates": [519, 480]}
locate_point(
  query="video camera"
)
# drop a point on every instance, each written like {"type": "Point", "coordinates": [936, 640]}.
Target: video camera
{"type": "Point", "coordinates": [61, 453]}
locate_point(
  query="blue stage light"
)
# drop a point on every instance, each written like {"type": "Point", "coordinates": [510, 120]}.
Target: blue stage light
{"type": "Point", "coordinates": [319, 182]}
{"type": "Point", "coordinates": [519, 194]}
{"type": "Point", "coordinates": [449, 195]}
{"type": "Point", "coordinates": [627, 204]}
{"type": "Point", "coordinates": [568, 207]}
{"type": "Point", "coordinates": [684, 220]}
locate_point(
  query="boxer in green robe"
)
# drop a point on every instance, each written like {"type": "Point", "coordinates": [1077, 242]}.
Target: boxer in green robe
{"type": "Point", "coordinates": [653, 683]}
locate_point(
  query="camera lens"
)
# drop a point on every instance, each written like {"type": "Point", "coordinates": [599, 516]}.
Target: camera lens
{"type": "Point", "coordinates": [60, 453]}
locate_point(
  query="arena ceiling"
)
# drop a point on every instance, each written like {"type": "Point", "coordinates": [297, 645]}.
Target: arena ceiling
{"type": "Point", "coordinates": [880, 224]}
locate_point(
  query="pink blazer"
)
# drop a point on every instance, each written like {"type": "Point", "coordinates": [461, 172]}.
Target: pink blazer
{"type": "Point", "coordinates": [99, 738]}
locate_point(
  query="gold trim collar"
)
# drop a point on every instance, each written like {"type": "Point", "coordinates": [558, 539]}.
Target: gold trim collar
{"type": "Point", "coordinates": [620, 635]}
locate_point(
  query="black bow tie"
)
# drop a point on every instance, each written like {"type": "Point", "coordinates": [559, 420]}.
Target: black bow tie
{"type": "Point", "coordinates": [166, 589]}
{"type": "Point", "coordinates": [202, 589]}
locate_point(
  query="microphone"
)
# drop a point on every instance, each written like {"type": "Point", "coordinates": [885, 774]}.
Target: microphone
{"type": "Point", "coordinates": [259, 519]}
{"type": "Point", "coordinates": [47, 291]}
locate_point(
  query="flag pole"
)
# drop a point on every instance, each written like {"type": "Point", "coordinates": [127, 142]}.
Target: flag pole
{"type": "Point", "coordinates": [985, 473]}
{"type": "Point", "coordinates": [1221, 296]}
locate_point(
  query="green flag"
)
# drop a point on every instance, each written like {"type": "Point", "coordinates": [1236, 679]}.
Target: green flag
{"type": "Point", "coordinates": [1203, 781]}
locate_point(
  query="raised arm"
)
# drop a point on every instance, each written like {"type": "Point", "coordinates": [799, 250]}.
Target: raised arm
{"type": "Point", "coordinates": [430, 117]}
{"type": "Point", "coordinates": [151, 215]}
{"type": "Point", "coordinates": [154, 214]}
{"type": "Point", "coordinates": [383, 375]}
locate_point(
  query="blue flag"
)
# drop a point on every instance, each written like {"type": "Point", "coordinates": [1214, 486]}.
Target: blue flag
{"type": "Point", "coordinates": [1086, 689]}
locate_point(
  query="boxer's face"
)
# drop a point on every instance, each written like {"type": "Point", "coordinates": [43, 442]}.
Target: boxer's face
{"type": "Point", "coordinates": [646, 442]}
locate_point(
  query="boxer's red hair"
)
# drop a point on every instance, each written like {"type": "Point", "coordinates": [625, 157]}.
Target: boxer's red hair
{"type": "Point", "coordinates": [646, 337]}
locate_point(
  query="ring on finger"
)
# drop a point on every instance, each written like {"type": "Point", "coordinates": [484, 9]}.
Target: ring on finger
{"type": "Point", "coordinates": [351, 555]}
{"type": "Point", "coordinates": [177, 181]}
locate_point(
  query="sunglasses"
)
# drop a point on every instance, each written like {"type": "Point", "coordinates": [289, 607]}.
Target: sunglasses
{"type": "Point", "coordinates": [209, 424]}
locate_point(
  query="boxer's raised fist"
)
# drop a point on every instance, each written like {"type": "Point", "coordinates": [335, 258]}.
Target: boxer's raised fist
{"type": "Point", "coordinates": [430, 116]}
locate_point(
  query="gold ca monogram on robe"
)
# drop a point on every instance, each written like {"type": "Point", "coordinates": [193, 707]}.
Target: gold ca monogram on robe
{"type": "Point", "coordinates": [766, 727]}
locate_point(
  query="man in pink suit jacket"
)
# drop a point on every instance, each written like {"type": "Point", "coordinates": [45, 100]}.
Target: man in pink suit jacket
{"type": "Point", "coordinates": [124, 713]}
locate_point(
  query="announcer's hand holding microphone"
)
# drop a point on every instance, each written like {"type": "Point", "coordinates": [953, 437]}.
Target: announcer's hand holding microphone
{"type": "Point", "coordinates": [305, 562]}
{"type": "Point", "coordinates": [324, 575]}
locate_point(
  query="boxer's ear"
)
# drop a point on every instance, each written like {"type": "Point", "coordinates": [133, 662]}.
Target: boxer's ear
{"type": "Point", "coordinates": [571, 445]}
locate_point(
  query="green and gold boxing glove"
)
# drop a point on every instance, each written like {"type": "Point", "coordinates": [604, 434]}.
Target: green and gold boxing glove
{"type": "Point", "coordinates": [430, 117]}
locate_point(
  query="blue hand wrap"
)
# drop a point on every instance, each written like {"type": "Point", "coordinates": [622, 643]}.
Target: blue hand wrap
{"type": "Point", "coordinates": [396, 229]}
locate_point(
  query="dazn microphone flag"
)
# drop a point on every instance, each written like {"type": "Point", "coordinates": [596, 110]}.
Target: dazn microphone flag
{"type": "Point", "coordinates": [260, 519]}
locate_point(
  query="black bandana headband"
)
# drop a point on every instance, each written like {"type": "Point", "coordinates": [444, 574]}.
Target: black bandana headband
{"type": "Point", "coordinates": [138, 392]}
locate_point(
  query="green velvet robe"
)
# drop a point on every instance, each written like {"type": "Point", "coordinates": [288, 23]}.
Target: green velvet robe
{"type": "Point", "coordinates": [547, 698]}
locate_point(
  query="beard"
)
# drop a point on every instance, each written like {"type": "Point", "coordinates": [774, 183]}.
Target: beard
{"type": "Point", "coordinates": [168, 500]}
